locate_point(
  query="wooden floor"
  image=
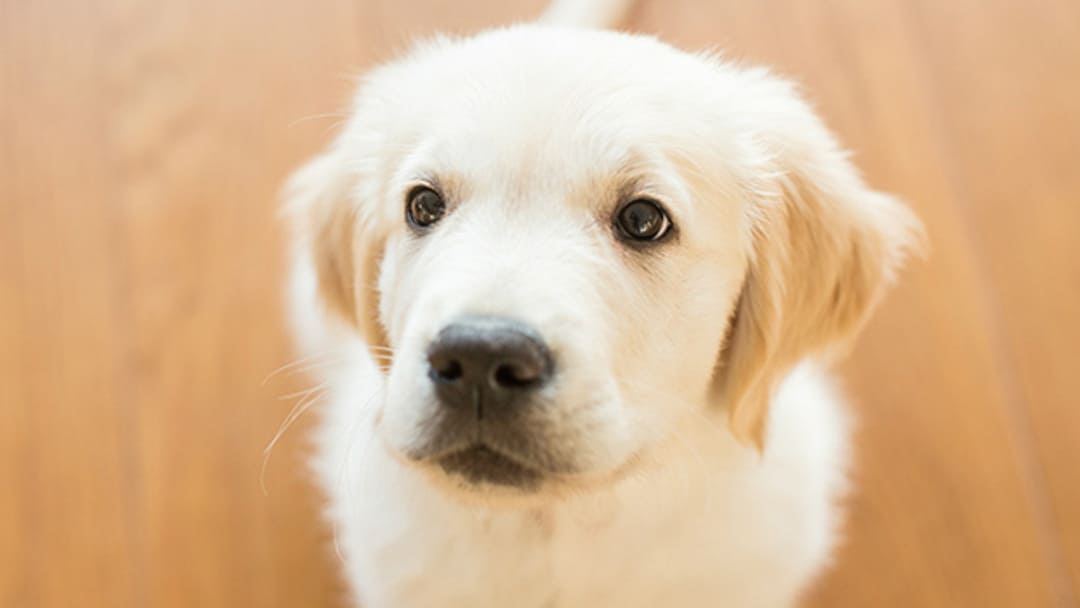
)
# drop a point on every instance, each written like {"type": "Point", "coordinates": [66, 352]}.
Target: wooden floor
{"type": "Point", "coordinates": [142, 146]}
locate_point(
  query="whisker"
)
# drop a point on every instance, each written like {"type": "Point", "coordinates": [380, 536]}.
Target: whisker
{"type": "Point", "coordinates": [310, 397]}
{"type": "Point", "coordinates": [338, 115]}
{"type": "Point", "coordinates": [312, 358]}
{"type": "Point", "coordinates": [301, 394]}
{"type": "Point", "coordinates": [336, 125]}
{"type": "Point", "coordinates": [309, 368]}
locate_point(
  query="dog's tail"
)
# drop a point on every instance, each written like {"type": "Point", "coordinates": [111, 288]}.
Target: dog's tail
{"type": "Point", "coordinates": [597, 14]}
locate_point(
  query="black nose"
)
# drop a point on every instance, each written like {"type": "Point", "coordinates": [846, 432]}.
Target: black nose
{"type": "Point", "coordinates": [487, 362]}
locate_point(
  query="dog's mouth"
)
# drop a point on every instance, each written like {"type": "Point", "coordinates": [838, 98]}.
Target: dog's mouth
{"type": "Point", "coordinates": [479, 464]}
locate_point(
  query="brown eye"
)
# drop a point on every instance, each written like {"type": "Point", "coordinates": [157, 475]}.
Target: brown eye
{"type": "Point", "coordinates": [425, 207]}
{"type": "Point", "coordinates": [643, 220]}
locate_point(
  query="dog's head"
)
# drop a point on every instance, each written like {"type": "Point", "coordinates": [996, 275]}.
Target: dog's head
{"type": "Point", "coordinates": [563, 244]}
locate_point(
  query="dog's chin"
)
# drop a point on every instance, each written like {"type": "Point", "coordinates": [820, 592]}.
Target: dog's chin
{"type": "Point", "coordinates": [481, 476]}
{"type": "Point", "coordinates": [482, 466]}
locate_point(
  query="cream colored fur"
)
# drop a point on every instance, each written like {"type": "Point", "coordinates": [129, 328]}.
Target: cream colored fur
{"type": "Point", "coordinates": [706, 447]}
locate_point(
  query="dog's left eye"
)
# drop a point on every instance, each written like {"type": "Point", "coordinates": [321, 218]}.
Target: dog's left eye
{"type": "Point", "coordinates": [425, 207]}
{"type": "Point", "coordinates": [643, 220]}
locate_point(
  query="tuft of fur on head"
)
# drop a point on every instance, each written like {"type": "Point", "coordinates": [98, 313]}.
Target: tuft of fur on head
{"type": "Point", "coordinates": [599, 14]}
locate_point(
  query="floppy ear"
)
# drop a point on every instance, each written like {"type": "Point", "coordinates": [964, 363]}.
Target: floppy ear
{"type": "Point", "coordinates": [344, 243]}
{"type": "Point", "coordinates": [824, 248]}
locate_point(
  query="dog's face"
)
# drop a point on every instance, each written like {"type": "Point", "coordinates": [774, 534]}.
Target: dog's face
{"type": "Point", "coordinates": [564, 244]}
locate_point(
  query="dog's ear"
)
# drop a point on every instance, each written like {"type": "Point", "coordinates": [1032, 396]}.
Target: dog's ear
{"type": "Point", "coordinates": [343, 241]}
{"type": "Point", "coordinates": [824, 246]}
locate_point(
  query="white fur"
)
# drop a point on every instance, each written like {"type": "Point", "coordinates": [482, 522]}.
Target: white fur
{"type": "Point", "coordinates": [715, 524]}
{"type": "Point", "coordinates": [535, 131]}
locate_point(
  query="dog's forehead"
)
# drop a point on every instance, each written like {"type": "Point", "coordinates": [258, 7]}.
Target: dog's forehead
{"type": "Point", "coordinates": [526, 104]}
{"type": "Point", "coordinates": [502, 156]}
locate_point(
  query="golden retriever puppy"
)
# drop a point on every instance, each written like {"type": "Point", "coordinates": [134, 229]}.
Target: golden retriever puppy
{"type": "Point", "coordinates": [578, 287]}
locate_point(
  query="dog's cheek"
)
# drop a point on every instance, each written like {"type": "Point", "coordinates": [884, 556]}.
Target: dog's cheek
{"type": "Point", "coordinates": [408, 402]}
{"type": "Point", "coordinates": [408, 397]}
{"type": "Point", "coordinates": [397, 289]}
{"type": "Point", "coordinates": [672, 341]}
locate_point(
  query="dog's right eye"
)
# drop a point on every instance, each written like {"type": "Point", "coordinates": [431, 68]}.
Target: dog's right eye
{"type": "Point", "coordinates": [643, 219]}
{"type": "Point", "coordinates": [425, 207]}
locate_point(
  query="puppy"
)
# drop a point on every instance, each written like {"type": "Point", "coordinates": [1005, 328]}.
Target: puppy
{"type": "Point", "coordinates": [573, 291]}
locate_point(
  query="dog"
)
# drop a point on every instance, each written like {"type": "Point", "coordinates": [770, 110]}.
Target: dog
{"type": "Point", "coordinates": [574, 293]}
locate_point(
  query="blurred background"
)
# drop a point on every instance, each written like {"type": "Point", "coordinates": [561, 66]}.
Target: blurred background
{"type": "Point", "coordinates": [142, 148]}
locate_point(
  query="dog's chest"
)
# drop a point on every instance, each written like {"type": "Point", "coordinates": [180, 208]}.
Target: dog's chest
{"type": "Point", "coordinates": [536, 563]}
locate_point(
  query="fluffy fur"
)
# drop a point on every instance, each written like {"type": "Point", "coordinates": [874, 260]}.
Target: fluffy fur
{"type": "Point", "coordinates": [700, 448]}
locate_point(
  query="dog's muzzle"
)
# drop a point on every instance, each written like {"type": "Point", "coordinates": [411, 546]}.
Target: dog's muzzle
{"type": "Point", "coordinates": [487, 374]}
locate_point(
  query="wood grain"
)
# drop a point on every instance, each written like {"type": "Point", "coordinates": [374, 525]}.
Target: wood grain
{"type": "Point", "coordinates": [142, 146]}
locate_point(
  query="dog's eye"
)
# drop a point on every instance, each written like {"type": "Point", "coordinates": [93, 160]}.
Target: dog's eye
{"type": "Point", "coordinates": [425, 207]}
{"type": "Point", "coordinates": [643, 220]}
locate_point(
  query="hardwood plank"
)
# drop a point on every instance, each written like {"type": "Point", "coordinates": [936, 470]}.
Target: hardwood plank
{"type": "Point", "coordinates": [205, 94]}
{"type": "Point", "coordinates": [68, 497]}
{"type": "Point", "coordinates": [1005, 79]}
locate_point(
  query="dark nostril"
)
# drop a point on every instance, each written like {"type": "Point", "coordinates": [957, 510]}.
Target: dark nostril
{"type": "Point", "coordinates": [509, 375]}
{"type": "Point", "coordinates": [447, 371]}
